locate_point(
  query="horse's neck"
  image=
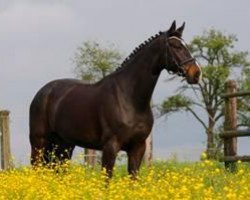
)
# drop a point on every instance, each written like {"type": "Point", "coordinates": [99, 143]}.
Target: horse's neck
{"type": "Point", "coordinates": [138, 80]}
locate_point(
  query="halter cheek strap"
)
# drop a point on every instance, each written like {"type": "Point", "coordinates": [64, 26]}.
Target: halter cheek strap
{"type": "Point", "coordinates": [180, 70]}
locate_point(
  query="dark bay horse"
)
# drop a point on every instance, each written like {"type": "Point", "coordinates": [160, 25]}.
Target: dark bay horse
{"type": "Point", "coordinates": [113, 114]}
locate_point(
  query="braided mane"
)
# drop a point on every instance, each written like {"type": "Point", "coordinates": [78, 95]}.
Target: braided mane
{"type": "Point", "coordinates": [137, 49]}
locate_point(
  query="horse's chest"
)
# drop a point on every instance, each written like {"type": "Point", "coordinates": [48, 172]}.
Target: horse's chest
{"type": "Point", "coordinates": [134, 134]}
{"type": "Point", "coordinates": [141, 127]}
{"type": "Point", "coordinates": [135, 129]}
{"type": "Point", "coordinates": [136, 122]}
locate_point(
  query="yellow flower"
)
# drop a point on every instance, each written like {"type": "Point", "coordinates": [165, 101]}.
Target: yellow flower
{"type": "Point", "coordinates": [204, 180]}
{"type": "Point", "coordinates": [204, 156]}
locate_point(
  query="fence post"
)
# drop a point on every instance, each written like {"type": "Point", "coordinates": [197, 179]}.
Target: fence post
{"type": "Point", "coordinates": [90, 157]}
{"type": "Point", "coordinates": [230, 144]}
{"type": "Point", "coordinates": [6, 162]}
{"type": "Point", "coordinates": [149, 151]}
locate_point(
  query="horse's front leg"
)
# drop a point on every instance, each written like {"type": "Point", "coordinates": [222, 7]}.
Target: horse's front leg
{"type": "Point", "coordinates": [135, 155]}
{"type": "Point", "coordinates": [110, 150]}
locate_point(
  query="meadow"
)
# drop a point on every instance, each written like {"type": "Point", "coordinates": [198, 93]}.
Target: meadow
{"type": "Point", "coordinates": [163, 180]}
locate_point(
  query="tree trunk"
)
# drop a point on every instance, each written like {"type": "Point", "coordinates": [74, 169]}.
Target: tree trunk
{"type": "Point", "coordinates": [147, 159]}
{"type": "Point", "coordinates": [210, 137]}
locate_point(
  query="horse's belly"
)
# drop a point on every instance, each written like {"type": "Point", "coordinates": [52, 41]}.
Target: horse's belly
{"type": "Point", "coordinates": [80, 128]}
{"type": "Point", "coordinates": [85, 142]}
{"type": "Point", "coordinates": [86, 139]}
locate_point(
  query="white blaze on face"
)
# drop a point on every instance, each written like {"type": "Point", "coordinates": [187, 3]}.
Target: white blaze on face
{"type": "Point", "coordinates": [183, 43]}
{"type": "Point", "coordinates": [181, 40]}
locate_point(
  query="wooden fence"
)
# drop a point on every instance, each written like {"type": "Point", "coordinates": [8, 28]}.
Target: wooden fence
{"type": "Point", "coordinates": [230, 132]}
{"type": "Point", "coordinates": [6, 161]}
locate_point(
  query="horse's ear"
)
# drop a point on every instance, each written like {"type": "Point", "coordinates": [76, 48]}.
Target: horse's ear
{"type": "Point", "coordinates": [172, 27]}
{"type": "Point", "coordinates": [179, 31]}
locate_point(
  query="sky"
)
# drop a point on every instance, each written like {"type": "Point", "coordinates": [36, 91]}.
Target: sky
{"type": "Point", "coordinates": [38, 39]}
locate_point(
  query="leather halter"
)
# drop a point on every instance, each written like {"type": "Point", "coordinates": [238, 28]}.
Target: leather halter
{"type": "Point", "coordinates": [180, 71]}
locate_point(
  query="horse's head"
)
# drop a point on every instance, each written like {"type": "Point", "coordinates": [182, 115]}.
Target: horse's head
{"type": "Point", "coordinates": [179, 59]}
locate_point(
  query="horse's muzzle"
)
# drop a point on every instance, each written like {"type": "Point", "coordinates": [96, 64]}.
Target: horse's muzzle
{"type": "Point", "coordinates": [193, 74]}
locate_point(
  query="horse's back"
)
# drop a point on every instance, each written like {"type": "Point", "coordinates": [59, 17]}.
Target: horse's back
{"type": "Point", "coordinates": [58, 87]}
{"type": "Point", "coordinates": [54, 88]}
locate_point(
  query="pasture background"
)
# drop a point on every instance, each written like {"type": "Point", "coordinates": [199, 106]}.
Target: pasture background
{"type": "Point", "coordinates": [39, 38]}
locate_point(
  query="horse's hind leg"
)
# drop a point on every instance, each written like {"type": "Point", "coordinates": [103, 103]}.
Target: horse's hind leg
{"type": "Point", "coordinates": [39, 145]}
{"type": "Point", "coordinates": [43, 141]}
{"type": "Point", "coordinates": [60, 150]}
{"type": "Point", "coordinates": [48, 148]}
{"type": "Point", "coordinates": [39, 134]}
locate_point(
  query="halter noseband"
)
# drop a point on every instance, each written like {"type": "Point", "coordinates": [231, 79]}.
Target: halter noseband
{"type": "Point", "coordinates": [180, 71]}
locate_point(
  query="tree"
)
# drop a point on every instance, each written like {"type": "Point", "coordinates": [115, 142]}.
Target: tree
{"type": "Point", "coordinates": [217, 55]}
{"type": "Point", "coordinates": [94, 62]}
